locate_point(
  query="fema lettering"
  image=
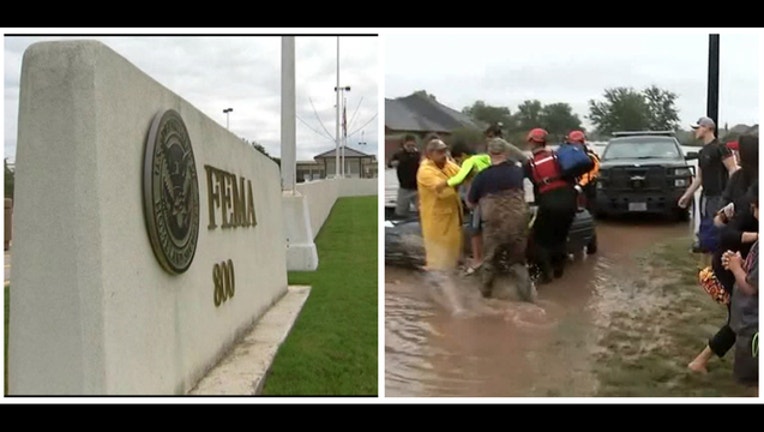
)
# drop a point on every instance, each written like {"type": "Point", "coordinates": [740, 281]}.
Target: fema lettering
{"type": "Point", "coordinates": [233, 196]}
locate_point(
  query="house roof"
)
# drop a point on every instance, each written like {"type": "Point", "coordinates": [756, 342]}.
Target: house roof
{"type": "Point", "coordinates": [420, 112]}
{"type": "Point", "coordinates": [349, 153]}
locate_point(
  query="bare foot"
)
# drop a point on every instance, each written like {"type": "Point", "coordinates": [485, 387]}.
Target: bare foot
{"type": "Point", "coordinates": [697, 367]}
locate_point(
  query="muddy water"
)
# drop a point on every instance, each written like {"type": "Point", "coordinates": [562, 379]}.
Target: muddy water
{"type": "Point", "coordinates": [510, 348]}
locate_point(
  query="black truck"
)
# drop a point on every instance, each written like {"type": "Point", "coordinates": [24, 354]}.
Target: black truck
{"type": "Point", "coordinates": [643, 172]}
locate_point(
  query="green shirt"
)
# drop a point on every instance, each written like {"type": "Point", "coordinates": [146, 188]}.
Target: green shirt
{"type": "Point", "coordinates": [475, 163]}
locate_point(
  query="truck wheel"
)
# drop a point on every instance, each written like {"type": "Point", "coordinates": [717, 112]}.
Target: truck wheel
{"type": "Point", "coordinates": [591, 248]}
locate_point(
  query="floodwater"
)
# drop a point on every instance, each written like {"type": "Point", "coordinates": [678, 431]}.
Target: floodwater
{"type": "Point", "coordinates": [444, 339]}
{"type": "Point", "coordinates": [441, 343]}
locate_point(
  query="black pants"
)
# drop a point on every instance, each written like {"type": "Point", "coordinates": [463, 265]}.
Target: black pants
{"type": "Point", "coordinates": [556, 211]}
{"type": "Point", "coordinates": [724, 339]}
{"type": "Point", "coordinates": [746, 366]}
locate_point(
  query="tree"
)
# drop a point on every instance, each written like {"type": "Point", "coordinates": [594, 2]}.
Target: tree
{"type": "Point", "coordinates": [9, 177]}
{"type": "Point", "coordinates": [528, 115]}
{"type": "Point", "coordinates": [558, 119]}
{"type": "Point", "coordinates": [489, 114]}
{"type": "Point", "coordinates": [625, 109]}
{"type": "Point", "coordinates": [662, 113]}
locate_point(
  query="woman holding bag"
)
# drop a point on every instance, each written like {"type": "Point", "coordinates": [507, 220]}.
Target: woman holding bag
{"type": "Point", "coordinates": [738, 230]}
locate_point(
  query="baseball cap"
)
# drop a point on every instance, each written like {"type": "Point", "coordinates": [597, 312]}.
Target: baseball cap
{"type": "Point", "coordinates": [497, 146]}
{"type": "Point", "coordinates": [537, 135]}
{"type": "Point", "coordinates": [704, 121]}
{"type": "Point", "coordinates": [436, 144]}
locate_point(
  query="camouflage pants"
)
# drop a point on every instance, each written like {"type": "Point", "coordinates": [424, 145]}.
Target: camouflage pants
{"type": "Point", "coordinates": [505, 237]}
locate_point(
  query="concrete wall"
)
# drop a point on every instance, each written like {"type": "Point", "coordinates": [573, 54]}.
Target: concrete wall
{"type": "Point", "coordinates": [92, 311]}
{"type": "Point", "coordinates": [322, 194]}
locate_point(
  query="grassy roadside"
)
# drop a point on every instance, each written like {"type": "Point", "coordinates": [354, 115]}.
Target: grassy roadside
{"type": "Point", "coordinates": [646, 349]}
{"type": "Point", "coordinates": [7, 302]}
{"type": "Point", "coordinates": [332, 349]}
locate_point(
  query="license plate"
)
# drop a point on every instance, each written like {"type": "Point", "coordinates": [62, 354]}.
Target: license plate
{"type": "Point", "coordinates": [637, 206]}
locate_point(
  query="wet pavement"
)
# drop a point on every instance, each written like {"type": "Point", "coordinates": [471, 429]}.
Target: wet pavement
{"type": "Point", "coordinates": [507, 347]}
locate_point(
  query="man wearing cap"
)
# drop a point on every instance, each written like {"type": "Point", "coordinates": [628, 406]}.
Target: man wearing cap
{"type": "Point", "coordinates": [715, 165]}
{"type": "Point", "coordinates": [498, 191]}
{"type": "Point", "coordinates": [440, 209]}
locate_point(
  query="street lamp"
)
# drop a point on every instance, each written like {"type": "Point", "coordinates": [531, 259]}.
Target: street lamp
{"type": "Point", "coordinates": [227, 111]}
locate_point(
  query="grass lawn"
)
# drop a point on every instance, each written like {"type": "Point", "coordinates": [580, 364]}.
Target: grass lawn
{"type": "Point", "coordinates": [332, 348]}
{"type": "Point", "coordinates": [5, 326]}
{"type": "Point", "coordinates": [646, 349]}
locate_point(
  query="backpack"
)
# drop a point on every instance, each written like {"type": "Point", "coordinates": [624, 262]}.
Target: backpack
{"type": "Point", "coordinates": [574, 160]}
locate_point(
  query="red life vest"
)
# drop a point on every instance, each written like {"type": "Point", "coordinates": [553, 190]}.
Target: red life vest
{"type": "Point", "coordinates": [546, 172]}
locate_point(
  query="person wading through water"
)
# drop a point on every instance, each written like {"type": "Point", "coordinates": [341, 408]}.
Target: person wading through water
{"type": "Point", "coordinates": [471, 165]}
{"type": "Point", "coordinates": [440, 209]}
{"type": "Point", "coordinates": [556, 199]}
{"type": "Point", "coordinates": [499, 193]}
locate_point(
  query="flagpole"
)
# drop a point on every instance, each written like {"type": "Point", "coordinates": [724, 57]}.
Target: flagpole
{"type": "Point", "coordinates": [337, 136]}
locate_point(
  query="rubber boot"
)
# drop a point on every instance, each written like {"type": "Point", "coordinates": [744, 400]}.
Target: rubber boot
{"type": "Point", "coordinates": [559, 257]}
{"type": "Point", "coordinates": [543, 259]}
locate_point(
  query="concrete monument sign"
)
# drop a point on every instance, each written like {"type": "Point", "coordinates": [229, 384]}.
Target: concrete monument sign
{"type": "Point", "coordinates": [147, 238]}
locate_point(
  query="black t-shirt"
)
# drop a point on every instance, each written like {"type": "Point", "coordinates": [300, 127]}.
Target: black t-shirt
{"type": "Point", "coordinates": [494, 179]}
{"type": "Point", "coordinates": [714, 173]}
{"type": "Point", "coordinates": [408, 165]}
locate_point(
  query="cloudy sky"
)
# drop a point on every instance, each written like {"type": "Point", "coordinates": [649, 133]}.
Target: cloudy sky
{"type": "Point", "coordinates": [506, 67]}
{"type": "Point", "coordinates": [244, 73]}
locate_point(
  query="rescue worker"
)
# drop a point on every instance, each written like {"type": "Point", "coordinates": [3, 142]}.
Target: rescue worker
{"type": "Point", "coordinates": [556, 198]}
{"type": "Point", "coordinates": [587, 183]}
{"type": "Point", "coordinates": [499, 192]}
{"type": "Point", "coordinates": [440, 209]}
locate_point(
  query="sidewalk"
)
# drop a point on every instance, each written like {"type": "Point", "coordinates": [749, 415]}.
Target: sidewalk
{"type": "Point", "coordinates": [7, 268]}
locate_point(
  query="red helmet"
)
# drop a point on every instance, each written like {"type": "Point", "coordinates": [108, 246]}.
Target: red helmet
{"type": "Point", "coordinates": [537, 135]}
{"type": "Point", "coordinates": [576, 136]}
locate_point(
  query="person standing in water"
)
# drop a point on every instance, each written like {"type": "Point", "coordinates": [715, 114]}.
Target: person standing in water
{"type": "Point", "coordinates": [499, 192]}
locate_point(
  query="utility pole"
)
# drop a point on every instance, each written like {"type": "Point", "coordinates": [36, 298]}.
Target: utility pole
{"type": "Point", "coordinates": [713, 80]}
{"type": "Point", "coordinates": [288, 115]}
{"type": "Point", "coordinates": [337, 135]}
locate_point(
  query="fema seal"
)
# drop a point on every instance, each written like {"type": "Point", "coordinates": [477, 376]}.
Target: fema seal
{"type": "Point", "coordinates": [171, 192]}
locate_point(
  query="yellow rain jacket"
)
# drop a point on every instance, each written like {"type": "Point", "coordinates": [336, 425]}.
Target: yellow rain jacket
{"type": "Point", "coordinates": [440, 215]}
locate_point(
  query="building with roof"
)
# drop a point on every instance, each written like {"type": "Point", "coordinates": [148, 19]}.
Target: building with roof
{"type": "Point", "coordinates": [420, 114]}
{"type": "Point", "coordinates": [357, 165]}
